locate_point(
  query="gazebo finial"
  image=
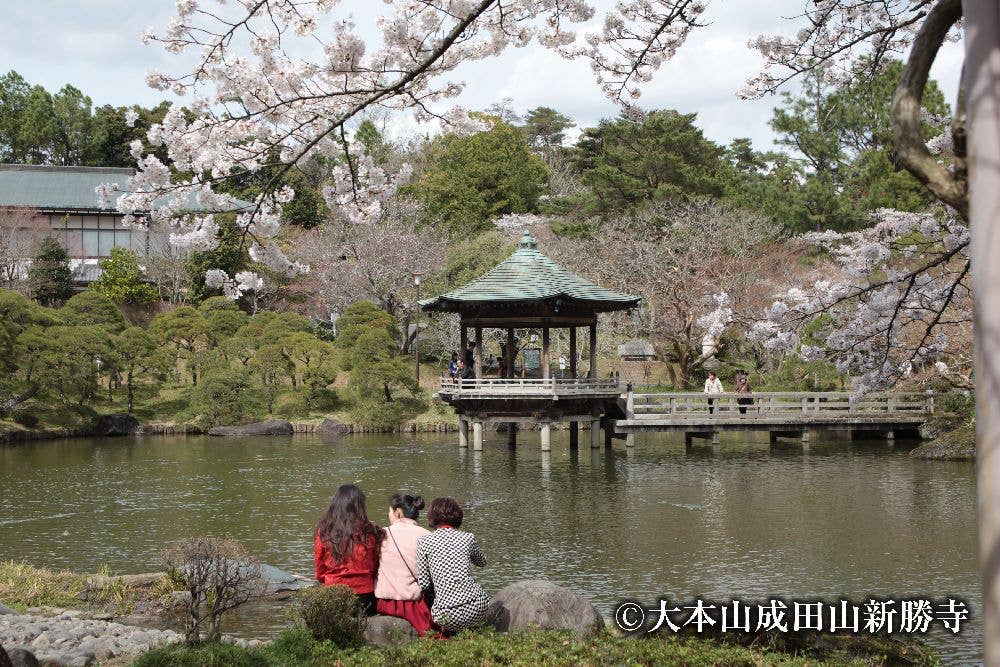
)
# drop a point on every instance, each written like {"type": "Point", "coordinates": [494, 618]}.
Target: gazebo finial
{"type": "Point", "coordinates": [527, 241]}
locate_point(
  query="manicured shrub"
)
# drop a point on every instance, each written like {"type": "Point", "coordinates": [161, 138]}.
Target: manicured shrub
{"type": "Point", "coordinates": [331, 613]}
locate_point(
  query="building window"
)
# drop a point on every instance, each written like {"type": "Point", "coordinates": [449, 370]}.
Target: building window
{"type": "Point", "coordinates": [93, 236]}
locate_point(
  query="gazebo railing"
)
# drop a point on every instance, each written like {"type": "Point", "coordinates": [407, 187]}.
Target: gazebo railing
{"type": "Point", "coordinates": [534, 386]}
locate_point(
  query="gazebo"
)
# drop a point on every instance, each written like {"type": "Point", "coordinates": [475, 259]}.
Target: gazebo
{"type": "Point", "coordinates": [530, 291]}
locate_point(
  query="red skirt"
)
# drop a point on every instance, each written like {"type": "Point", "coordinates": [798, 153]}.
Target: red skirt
{"type": "Point", "coordinates": [415, 611]}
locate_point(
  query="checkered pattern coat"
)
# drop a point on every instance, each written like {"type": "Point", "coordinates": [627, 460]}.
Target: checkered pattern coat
{"type": "Point", "coordinates": [444, 561]}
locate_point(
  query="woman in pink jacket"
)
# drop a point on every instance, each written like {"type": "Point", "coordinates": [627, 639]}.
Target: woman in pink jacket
{"type": "Point", "coordinates": [396, 589]}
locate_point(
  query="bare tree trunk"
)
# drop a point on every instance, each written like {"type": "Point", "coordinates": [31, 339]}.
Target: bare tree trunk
{"type": "Point", "coordinates": [982, 85]}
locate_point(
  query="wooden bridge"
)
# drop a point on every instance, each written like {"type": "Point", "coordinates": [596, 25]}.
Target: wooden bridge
{"type": "Point", "coordinates": [697, 415]}
{"type": "Point", "coordinates": [781, 414]}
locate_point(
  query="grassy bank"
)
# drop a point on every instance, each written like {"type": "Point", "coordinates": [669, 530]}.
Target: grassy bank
{"type": "Point", "coordinates": [296, 647]}
{"type": "Point", "coordinates": [23, 586]}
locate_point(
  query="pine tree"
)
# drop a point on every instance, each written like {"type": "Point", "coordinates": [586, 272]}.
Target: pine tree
{"type": "Point", "coordinates": [49, 273]}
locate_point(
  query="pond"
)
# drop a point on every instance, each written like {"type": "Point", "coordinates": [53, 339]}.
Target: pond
{"type": "Point", "coordinates": [743, 519]}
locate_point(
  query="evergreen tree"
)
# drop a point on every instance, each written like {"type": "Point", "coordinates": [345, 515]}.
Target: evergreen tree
{"type": "Point", "coordinates": [474, 179]}
{"type": "Point", "coordinates": [628, 163]}
{"type": "Point", "coordinates": [122, 279]}
{"type": "Point", "coordinates": [49, 274]}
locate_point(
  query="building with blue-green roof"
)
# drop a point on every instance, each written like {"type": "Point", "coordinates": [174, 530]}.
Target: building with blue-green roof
{"type": "Point", "coordinates": [63, 203]}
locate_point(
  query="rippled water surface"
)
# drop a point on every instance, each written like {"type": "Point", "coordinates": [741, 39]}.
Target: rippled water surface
{"type": "Point", "coordinates": [745, 519]}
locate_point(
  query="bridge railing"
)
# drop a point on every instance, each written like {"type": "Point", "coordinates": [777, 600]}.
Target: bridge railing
{"type": "Point", "coordinates": [530, 386]}
{"type": "Point", "coordinates": [778, 402]}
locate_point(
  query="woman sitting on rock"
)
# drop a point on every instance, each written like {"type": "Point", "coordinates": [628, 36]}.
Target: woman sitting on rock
{"type": "Point", "coordinates": [444, 563]}
{"type": "Point", "coordinates": [396, 588]}
{"type": "Point", "coordinates": [347, 546]}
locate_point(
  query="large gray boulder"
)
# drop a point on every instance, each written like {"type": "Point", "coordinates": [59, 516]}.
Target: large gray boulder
{"type": "Point", "coordinates": [123, 424]}
{"type": "Point", "coordinates": [278, 581]}
{"type": "Point", "coordinates": [270, 427]}
{"type": "Point", "coordinates": [332, 427]}
{"type": "Point", "coordinates": [543, 605]}
{"type": "Point", "coordinates": [389, 631]}
{"type": "Point", "coordinates": [21, 657]}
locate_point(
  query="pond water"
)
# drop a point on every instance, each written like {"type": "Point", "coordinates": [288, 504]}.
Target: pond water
{"type": "Point", "coordinates": [743, 519]}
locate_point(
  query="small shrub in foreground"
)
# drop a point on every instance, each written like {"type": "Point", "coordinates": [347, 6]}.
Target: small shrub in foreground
{"type": "Point", "coordinates": [331, 614]}
{"type": "Point", "coordinates": [219, 575]}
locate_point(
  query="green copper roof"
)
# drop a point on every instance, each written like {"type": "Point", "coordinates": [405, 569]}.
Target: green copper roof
{"type": "Point", "coordinates": [56, 188]}
{"type": "Point", "coordinates": [529, 276]}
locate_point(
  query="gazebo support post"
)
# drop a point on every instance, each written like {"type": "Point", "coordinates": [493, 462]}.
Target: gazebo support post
{"type": "Point", "coordinates": [509, 352]}
{"type": "Point", "coordinates": [464, 340]}
{"type": "Point", "coordinates": [512, 434]}
{"type": "Point", "coordinates": [595, 433]}
{"type": "Point", "coordinates": [463, 432]}
{"type": "Point", "coordinates": [593, 351]}
{"type": "Point", "coordinates": [477, 436]}
{"type": "Point", "coordinates": [574, 426]}
{"type": "Point", "coordinates": [479, 352]}
{"type": "Point", "coordinates": [546, 436]}
{"type": "Point", "coordinates": [546, 363]}
{"type": "Point", "coordinates": [572, 352]}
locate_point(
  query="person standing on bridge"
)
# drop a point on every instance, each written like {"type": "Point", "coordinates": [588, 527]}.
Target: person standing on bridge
{"type": "Point", "coordinates": [713, 385]}
{"type": "Point", "coordinates": [743, 387]}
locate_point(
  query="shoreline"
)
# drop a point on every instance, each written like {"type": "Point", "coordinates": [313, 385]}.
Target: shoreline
{"type": "Point", "coordinates": [14, 434]}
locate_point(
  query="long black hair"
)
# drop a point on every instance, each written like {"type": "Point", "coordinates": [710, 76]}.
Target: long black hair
{"type": "Point", "coordinates": [345, 523]}
{"type": "Point", "coordinates": [411, 505]}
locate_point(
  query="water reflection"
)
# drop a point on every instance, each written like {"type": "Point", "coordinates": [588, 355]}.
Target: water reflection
{"type": "Point", "coordinates": [740, 519]}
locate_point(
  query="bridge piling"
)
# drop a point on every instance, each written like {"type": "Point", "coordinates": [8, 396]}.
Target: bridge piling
{"type": "Point", "coordinates": [463, 433]}
{"type": "Point", "coordinates": [477, 436]}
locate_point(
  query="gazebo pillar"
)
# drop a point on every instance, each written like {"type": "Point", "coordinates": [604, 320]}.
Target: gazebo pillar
{"type": "Point", "coordinates": [546, 362]}
{"type": "Point", "coordinates": [574, 426]}
{"type": "Point", "coordinates": [546, 436]}
{"type": "Point", "coordinates": [464, 340]}
{"type": "Point", "coordinates": [509, 352]}
{"type": "Point", "coordinates": [477, 436]}
{"type": "Point", "coordinates": [595, 433]}
{"type": "Point", "coordinates": [463, 432]}
{"type": "Point", "coordinates": [593, 351]}
{"type": "Point", "coordinates": [479, 352]}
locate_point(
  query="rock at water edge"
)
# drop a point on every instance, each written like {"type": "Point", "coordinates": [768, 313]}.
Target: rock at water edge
{"type": "Point", "coordinates": [123, 424]}
{"type": "Point", "coordinates": [332, 427]}
{"type": "Point", "coordinates": [956, 445]}
{"type": "Point", "coordinates": [270, 427]}
{"type": "Point", "coordinates": [543, 605]}
{"type": "Point", "coordinates": [388, 631]}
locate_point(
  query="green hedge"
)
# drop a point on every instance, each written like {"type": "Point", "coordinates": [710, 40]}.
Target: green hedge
{"type": "Point", "coordinates": [557, 649]}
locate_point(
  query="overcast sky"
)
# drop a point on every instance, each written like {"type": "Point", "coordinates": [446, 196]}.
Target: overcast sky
{"type": "Point", "coordinates": [94, 45]}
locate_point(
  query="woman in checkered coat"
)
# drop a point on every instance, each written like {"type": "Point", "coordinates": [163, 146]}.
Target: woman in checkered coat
{"type": "Point", "coordinates": [444, 563]}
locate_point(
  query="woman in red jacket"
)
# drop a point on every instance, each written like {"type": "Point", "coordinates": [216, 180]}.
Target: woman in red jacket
{"type": "Point", "coordinates": [347, 546]}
